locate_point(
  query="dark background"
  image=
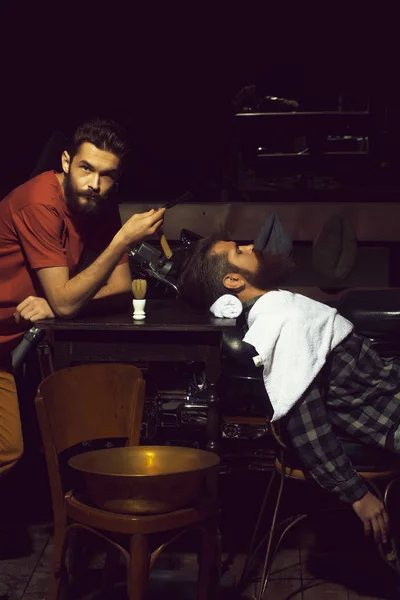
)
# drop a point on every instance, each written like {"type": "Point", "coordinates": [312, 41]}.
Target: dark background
{"type": "Point", "coordinates": [170, 74]}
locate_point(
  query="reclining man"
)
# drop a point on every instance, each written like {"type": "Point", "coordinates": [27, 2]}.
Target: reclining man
{"type": "Point", "coordinates": [48, 226]}
{"type": "Point", "coordinates": [306, 346]}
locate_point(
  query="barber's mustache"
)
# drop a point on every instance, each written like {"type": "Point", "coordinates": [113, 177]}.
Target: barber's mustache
{"type": "Point", "coordinates": [91, 195]}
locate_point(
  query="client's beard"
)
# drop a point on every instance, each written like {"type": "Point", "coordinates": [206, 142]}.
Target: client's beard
{"type": "Point", "coordinates": [272, 271]}
{"type": "Point", "coordinates": [93, 207]}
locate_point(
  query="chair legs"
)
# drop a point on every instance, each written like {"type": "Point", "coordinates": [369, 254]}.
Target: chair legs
{"type": "Point", "coordinates": [390, 553]}
{"type": "Point", "coordinates": [77, 555]}
{"type": "Point", "coordinates": [252, 547]}
{"type": "Point", "coordinates": [271, 549]}
{"type": "Point", "coordinates": [209, 560]}
{"type": "Point", "coordinates": [209, 563]}
{"type": "Point", "coordinates": [57, 566]}
{"type": "Point", "coordinates": [138, 570]}
{"type": "Point", "coordinates": [267, 562]}
{"type": "Point", "coordinates": [138, 562]}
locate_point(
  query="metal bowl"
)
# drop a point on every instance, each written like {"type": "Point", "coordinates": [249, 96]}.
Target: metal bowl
{"type": "Point", "coordinates": [145, 479]}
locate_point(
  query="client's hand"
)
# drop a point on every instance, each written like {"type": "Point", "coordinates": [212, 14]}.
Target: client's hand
{"type": "Point", "coordinates": [374, 516]}
{"type": "Point", "coordinates": [33, 309]}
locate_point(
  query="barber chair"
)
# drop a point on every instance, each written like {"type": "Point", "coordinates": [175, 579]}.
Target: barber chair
{"type": "Point", "coordinates": [244, 405]}
{"type": "Point", "coordinates": [376, 315]}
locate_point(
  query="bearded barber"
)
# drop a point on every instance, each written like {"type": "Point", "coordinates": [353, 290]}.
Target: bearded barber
{"type": "Point", "coordinates": [46, 225]}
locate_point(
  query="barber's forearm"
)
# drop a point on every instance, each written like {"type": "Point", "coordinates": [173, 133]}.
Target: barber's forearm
{"type": "Point", "coordinates": [88, 284]}
{"type": "Point", "coordinates": [112, 290]}
{"type": "Point", "coordinates": [113, 297]}
{"type": "Point", "coordinates": [67, 296]}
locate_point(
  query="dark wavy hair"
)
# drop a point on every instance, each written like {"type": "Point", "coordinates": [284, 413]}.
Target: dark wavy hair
{"type": "Point", "coordinates": [200, 279]}
{"type": "Point", "coordinates": [104, 134]}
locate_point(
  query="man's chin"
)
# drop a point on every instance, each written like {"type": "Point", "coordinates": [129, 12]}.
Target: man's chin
{"type": "Point", "coordinates": [88, 206]}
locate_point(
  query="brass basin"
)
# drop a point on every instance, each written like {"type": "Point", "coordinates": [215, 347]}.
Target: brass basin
{"type": "Point", "coordinates": [145, 479]}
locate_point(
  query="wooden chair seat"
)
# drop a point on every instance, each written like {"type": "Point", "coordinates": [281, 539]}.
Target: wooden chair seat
{"type": "Point", "coordinates": [82, 512]}
{"type": "Point", "coordinates": [296, 473]}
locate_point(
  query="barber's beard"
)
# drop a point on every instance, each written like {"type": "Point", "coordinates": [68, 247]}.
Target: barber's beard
{"type": "Point", "coordinates": [94, 202]}
{"type": "Point", "coordinates": [272, 271]}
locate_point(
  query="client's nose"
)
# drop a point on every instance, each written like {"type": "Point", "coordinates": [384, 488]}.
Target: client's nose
{"type": "Point", "coordinates": [247, 249]}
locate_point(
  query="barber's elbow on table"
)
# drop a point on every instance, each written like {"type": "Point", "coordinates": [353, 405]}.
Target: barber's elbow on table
{"type": "Point", "coordinates": [62, 308]}
{"type": "Point", "coordinates": [66, 311]}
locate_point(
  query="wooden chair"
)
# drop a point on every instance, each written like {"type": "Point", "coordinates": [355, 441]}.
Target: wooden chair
{"type": "Point", "coordinates": [93, 402]}
{"type": "Point", "coordinates": [379, 468]}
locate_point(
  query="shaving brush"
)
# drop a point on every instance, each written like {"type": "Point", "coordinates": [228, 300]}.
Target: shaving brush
{"type": "Point", "coordinates": [139, 288]}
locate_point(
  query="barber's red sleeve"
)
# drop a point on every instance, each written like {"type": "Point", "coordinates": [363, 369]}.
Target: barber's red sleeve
{"type": "Point", "coordinates": [39, 229]}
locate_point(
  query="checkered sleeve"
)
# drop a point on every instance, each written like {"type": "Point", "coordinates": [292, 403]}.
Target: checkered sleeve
{"type": "Point", "coordinates": [319, 449]}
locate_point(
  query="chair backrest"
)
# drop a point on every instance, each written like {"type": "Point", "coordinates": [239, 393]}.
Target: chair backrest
{"type": "Point", "coordinates": [87, 402]}
{"type": "Point", "coordinates": [90, 402]}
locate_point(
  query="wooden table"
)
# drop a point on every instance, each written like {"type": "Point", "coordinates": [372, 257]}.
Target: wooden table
{"type": "Point", "coordinates": [170, 332]}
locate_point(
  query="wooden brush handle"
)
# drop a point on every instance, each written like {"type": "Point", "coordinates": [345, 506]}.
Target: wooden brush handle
{"type": "Point", "coordinates": [164, 244]}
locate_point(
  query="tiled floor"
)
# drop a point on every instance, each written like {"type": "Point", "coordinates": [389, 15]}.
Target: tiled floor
{"type": "Point", "coordinates": [311, 566]}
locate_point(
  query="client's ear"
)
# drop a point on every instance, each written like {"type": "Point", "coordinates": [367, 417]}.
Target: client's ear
{"type": "Point", "coordinates": [233, 281]}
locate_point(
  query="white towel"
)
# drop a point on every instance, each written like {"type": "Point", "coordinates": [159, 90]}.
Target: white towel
{"type": "Point", "coordinates": [293, 336]}
{"type": "Point", "coordinates": [227, 306]}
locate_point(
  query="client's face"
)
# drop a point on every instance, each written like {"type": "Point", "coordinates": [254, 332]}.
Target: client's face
{"type": "Point", "coordinates": [260, 270]}
{"type": "Point", "coordinates": [242, 257]}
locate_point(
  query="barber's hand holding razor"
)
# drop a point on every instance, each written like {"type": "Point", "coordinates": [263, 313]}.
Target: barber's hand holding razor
{"type": "Point", "coordinates": [142, 226]}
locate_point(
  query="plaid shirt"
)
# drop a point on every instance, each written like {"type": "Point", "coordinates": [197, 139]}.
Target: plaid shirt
{"type": "Point", "coordinates": [362, 399]}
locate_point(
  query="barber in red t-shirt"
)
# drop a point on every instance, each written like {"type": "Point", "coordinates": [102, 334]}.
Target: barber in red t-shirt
{"type": "Point", "coordinates": [46, 227]}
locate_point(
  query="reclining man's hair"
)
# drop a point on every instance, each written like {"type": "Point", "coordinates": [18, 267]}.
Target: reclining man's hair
{"type": "Point", "coordinates": [200, 279]}
{"type": "Point", "coordinates": [200, 282]}
{"type": "Point", "coordinates": [104, 134]}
